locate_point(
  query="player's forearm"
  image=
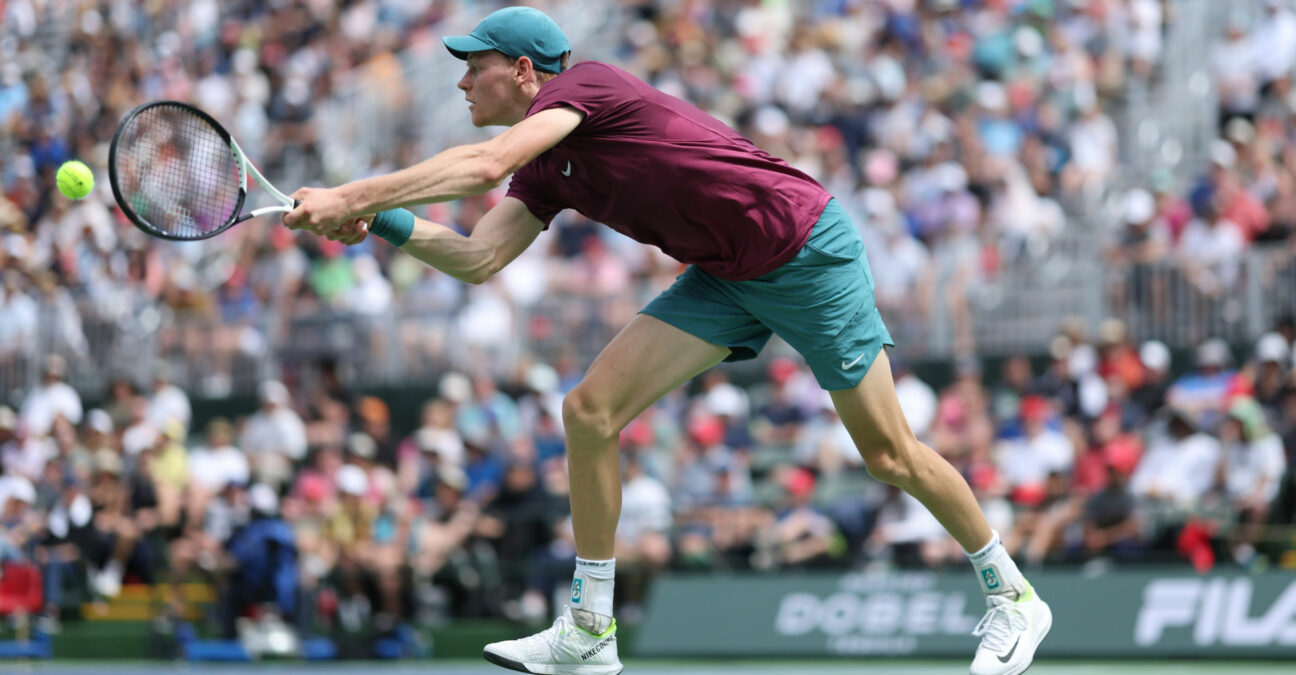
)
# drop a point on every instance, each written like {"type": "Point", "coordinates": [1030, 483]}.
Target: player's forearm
{"type": "Point", "coordinates": [456, 172]}
{"type": "Point", "coordinates": [461, 257]}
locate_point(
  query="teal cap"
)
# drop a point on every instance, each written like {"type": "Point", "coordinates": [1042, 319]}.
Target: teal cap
{"type": "Point", "coordinates": [515, 32]}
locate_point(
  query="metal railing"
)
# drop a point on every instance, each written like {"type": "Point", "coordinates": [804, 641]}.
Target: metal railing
{"type": "Point", "coordinates": [410, 345]}
{"type": "Point", "coordinates": [1169, 121]}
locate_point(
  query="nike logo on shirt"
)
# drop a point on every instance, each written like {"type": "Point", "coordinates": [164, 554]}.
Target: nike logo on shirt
{"type": "Point", "coordinates": [567, 171]}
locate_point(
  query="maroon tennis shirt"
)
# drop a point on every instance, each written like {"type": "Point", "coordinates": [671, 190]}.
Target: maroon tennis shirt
{"type": "Point", "coordinates": [662, 172]}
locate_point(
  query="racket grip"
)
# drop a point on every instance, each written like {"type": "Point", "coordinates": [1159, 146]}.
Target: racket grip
{"type": "Point", "coordinates": [296, 203]}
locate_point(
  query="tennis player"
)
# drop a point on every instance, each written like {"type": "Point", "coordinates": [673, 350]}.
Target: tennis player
{"type": "Point", "coordinates": [769, 251]}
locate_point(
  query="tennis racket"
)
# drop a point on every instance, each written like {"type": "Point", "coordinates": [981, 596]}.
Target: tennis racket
{"type": "Point", "coordinates": [177, 173]}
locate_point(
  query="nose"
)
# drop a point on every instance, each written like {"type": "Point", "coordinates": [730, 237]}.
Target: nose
{"type": "Point", "coordinates": [464, 82]}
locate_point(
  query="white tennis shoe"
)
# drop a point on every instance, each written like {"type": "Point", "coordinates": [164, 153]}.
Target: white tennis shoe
{"type": "Point", "coordinates": [1010, 632]}
{"type": "Point", "coordinates": [561, 649]}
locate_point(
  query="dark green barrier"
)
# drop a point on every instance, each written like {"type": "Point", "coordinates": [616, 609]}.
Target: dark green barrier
{"type": "Point", "coordinates": [1113, 615]}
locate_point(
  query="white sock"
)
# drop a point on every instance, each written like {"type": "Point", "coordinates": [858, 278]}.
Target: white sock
{"type": "Point", "coordinates": [591, 597]}
{"type": "Point", "coordinates": [996, 569]}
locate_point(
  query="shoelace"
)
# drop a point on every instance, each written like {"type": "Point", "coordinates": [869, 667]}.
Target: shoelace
{"type": "Point", "coordinates": [1000, 622]}
{"type": "Point", "coordinates": [561, 625]}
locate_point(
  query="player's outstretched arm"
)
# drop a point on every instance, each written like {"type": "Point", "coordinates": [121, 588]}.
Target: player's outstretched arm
{"type": "Point", "coordinates": [456, 172]}
{"type": "Point", "coordinates": [500, 236]}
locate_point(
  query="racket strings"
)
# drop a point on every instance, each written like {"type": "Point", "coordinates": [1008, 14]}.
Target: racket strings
{"type": "Point", "coordinates": [177, 172]}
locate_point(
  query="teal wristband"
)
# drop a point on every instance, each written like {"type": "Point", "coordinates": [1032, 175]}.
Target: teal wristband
{"type": "Point", "coordinates": [395, 226]}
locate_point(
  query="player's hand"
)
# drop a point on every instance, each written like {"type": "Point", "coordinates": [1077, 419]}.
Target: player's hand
{"type": "Point", "coordinates": [321, 211]}
{"type": "Point", "coordinates": [353, 231]}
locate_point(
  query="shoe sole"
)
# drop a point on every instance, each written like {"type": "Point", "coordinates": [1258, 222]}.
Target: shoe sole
{"type": "Point", "coordinates": [505, 662]}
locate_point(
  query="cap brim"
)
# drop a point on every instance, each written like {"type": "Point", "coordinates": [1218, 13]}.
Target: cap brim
{"type": "Point", "coordinates": [463, 45]}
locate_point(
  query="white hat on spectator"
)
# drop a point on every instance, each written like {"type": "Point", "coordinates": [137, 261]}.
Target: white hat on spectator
{"type": "Point", "coordinates": [542, 378]}
{"type": "Point", "coordinates": [107, 461]}
{"type": "Point", "coordinates": [1028, 41]}
{"type": "Point", "coordinates": [1139, 206]}
{"type": "Point", "coordinates": [455, 387]}
{"type": "Point", "coordinates": [1272, 348]}
{"type": "Point", "coordinates": [363, 445]}
{"type": "Point", "coordinates": [1222, 154]}
{"type": "Point", "coordinates": [952, 177]}
{"type": "Point", "coordinates": [1083, 360]}
{"type": "Point", "coordinates": [1155, 355]}
{"type": "Point", "coordinates": [263, 499]}
{"type": "Point", "coordinates": [1214, 352]}
{"type": "Point", "coordinates": [8, 420]}
{"type": "Point", "coordinates": [16, 487]}
{"type": "Point", "coordinates": [991, 95]}
{"type": "Point", "coordinates": [452, 476]}
{"type": "Point", "coordinates": [1240, 131]}
{"type": "Point", "coordinates": [880, 210]}
{"type": "Point", "coordinates": [443, 442]}
{"type": "Point", "coordinates": [352, 480]}
{"type": "Point", "coordinates": [99, 421]}
{"type": "Point", "coordinates": [273, 391]}
{"type": "Point", "coordinates": [726, 399]}
{"type": "Point", "coordinates": [770, 121]}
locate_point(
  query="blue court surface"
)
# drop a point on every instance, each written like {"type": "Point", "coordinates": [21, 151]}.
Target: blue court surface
{"type": "Point", "coordinates": [653, 667]}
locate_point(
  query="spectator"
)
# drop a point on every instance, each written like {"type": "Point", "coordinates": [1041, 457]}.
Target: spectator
{"type": "Point", "coordinates": [1236, 72]}
{"type": "Point", "coordinates": [53, 398]}
{"type": "Point", "coordinates": [168, 401]}
{"type": "Point", "coordinates": [1111, 524]}
{"type": "Point", "coordinates": [917, 399]}
{"type": "Point", "coordinates": [1202, 392]}
{"type": "Point", "coordinates": [1251, 473]}
{"type": "Point", "coordinates": [1027, 462]}
{"type": "Point", "coordinates": [218, 463]}
{"type": "Point", "coordinates": [264, 563]}
{"type": "Point", "coordinates": [18, 524]}
{"type": "Point", "coordinates": [1269, 372]}
{"type": "Point", "coordinates": [274, 436]}
{"type": "Point", "coordinates": [1179, 468]}
{"type": "Point", "coordinates": [825, 443]}
{"type": "Point", "coordinates": [1145, 242]}
{"type": "Point", "coordinates": [800, 536]}
{"type": "Point", "coordinates": [139, 434]}
{"type": "Point", "coordinates": [1150, 396]}
{"type": "Point", "coordinates": [643, 532]}
{"type": "Point", "coordinates": [441, 556]}
{"type": "Point", "coordinates": [1274, 43]}
{"type": "Point", "coordinates": [115, 538]}
{"type": "Point", "coordinates": [778, 421]}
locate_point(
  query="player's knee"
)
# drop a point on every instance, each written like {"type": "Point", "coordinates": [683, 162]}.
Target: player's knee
{"type": "Point", "coordinates": [890, 461]}
{"type": "Point", "coordinates": [585, 416]}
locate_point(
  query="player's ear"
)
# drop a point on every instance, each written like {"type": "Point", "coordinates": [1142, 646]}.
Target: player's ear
{"type": "Point", "coordinates": [523, 69]}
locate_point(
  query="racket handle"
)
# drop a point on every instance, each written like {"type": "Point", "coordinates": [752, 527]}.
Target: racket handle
{"type": "Point", "coordinates": [296, 203]}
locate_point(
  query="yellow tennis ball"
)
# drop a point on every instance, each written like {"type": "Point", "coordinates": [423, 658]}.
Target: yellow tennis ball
{"type": "Point", "coordinates": [75, 180]}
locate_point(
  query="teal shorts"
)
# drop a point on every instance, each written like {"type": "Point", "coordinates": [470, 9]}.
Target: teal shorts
{"type": "Point", "coordinates": [820, 302]}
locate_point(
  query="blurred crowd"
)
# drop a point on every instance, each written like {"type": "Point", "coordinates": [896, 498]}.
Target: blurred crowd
{"type": "Point", "coordinates": [955, 131]}
{"type": "Point", "coordinates": [958, 132]}
{"type": "Point", "coordinates": [316, 509]}
{"type": "Point", "coordinates": [1245, 199]}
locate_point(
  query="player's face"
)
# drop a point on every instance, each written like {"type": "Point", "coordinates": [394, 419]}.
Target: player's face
{"type": "Point", "coordinates": [492, 89]}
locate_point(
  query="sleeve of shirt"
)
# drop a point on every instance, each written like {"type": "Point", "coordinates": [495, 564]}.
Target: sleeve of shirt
{"type": "Point", "coordinates": [597, 92]}
{"type": "Point", "coordinates": [529, 186]}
